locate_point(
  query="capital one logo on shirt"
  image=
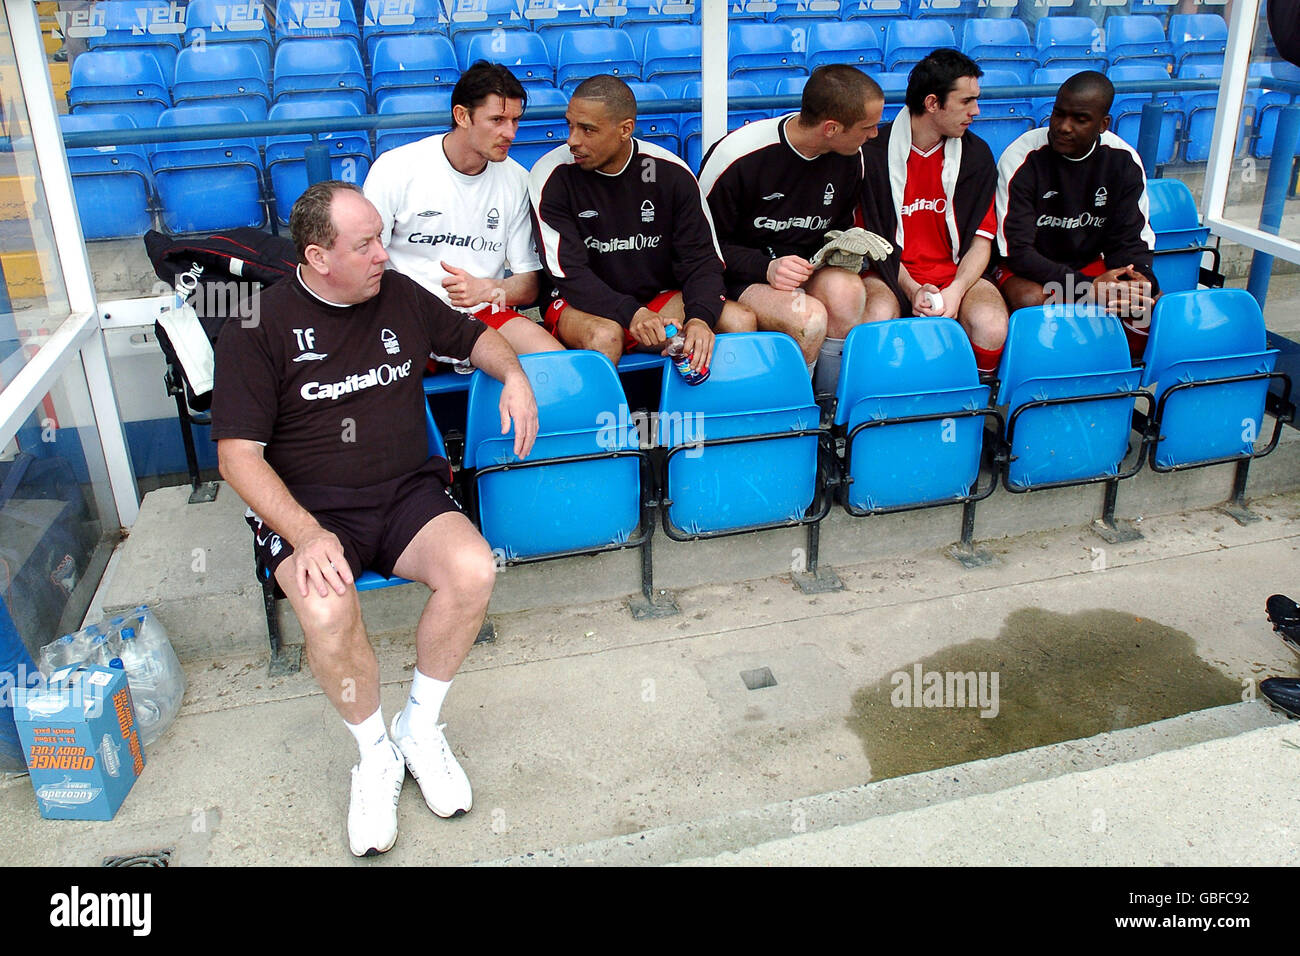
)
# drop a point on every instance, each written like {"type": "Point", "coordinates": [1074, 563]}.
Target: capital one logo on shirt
{"type": "Point", "coordinates": [938, 206]}
{"type": "Point", "coordinates": [379, 375]}
{"type": "Point", "coordinates": [638, 241]}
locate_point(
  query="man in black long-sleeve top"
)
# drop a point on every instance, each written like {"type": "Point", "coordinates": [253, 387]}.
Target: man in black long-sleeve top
{"type": "Point", "coordinates": [776, 187]}
{"type": "Point", "coordinates": [626, 236]}
{"type": "Point", "coordinates": [1073, 215]}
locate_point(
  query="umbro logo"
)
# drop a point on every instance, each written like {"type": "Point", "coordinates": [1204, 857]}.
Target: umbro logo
{"type": "Point", "coordinates": [773, 196]}
{"type": "Point", "coordinates": [1050, 193]}
{"type": "Point", "coordinates": [429, 212]}
{"type": "Point", "coordinates": [311, 357]}
{"type": "Point", "coordinates": [588, 214]}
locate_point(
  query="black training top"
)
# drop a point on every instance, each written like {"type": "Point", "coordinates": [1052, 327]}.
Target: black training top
{"type": "Point", "coordinates": [334, 391]}
{"type": "Point", "coordinates": [769, 200]}
{"type": "Point", "coordinates": [1057, 215]}
{"type": "Point", "coordinates": [611, 242]}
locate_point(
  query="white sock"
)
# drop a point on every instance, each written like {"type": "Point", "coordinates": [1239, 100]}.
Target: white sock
{"type": "Point", "coordinates": [424, 704]}
{"type": "Point", "coordinates": [372, 736]}
{"type": "Point", "coordinates": [812, 367]}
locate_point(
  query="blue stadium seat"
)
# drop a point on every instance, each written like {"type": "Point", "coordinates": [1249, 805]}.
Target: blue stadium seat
{"type": "Point", "coordinates": [742, 11]}
{"type": "Point", "coordinates": [551, 19]}
{"type": "Point", "coordinates": [121, 82]}
{"type": "Point", "coordinates": [907, 42]}
{"type": "Point", "coordinates": [1198, 38]}
{"type": "Point", "coordinates": [307, 69]}
{"type": "Point", "coordinates": [1126, 111]}
{"type": "Point", "coordinates": [537, 137]}
{"type": "Point", "coordinates": [207, 185]}
{"type": "Point", "coordinates": [411, 101]}
{"type": "Point", "coordinates": [1137, 38]}
{"type": "Point", "coordinates": [1001, 121]}
{"type": "Point", "coordinates": [672, 50]}
{"type": "Point", "coordinates": [152, 27]}
{"type": "Point", "coordinates": [1181, 240]}
{"type": "Point", "coordinates": [856, 42]}
{"type": "Point", "coordinates": [240, 25]}
{"type": "Point", "coordinates": [402, 62]}
{"type": "Point", "coordinates": [644, 17]}
{"type": "Point", "coordinates": [879, 13]}
{"type": "Point", "coordinates": [315, 19]}
{"type": "Point", "coordinates": [1269, 102]}
{"type": "Point", "coordinates": [920, 369]}
{"type": "Point", "coordinates": [1042, 105]}
{"type": "Point", "coordinates": [791, 86]}
{"type": "Point", "coordinates": [1197, 340]}
{"type": "Point", "coordinates": [950, 10]}
{"type": "Point", "coordinates": [386, 18]}
{"type": "Point", "coordinates": [469, 18]}
{"type": "Point", "coordinates": [1000, 45]}
{"type": "Point", "coordinates": [1073, 43]}
{"type": "Point", "coordinates": [791, 12]}
{"type": "Point", "coordinates": [582, 506]}
{"type": "Point", "coordinates": [894, 85]}
{"type": "Point", "coordinates": [758, 389]}
{"type": "Point", "coordinates": [228, 72]}
{"type": "Point", "coordinates": [589, 51]}
{"type": "Point", "coordinates": [1076, 360]}
{"type": "Point", "coordinates": [691, 126]}
{"type": "Point", "coordinates": [520, 50]}
{"type": "Point", "coordinates": [285, 163]}
{"type": "Point", "coordinates": [1201, 107]}
{"type": "Point", "coordinates": [112, 184]}
{"type": "Point", "coordinates": [763, 53]}
{"type": "Point", "coordinates": [651, 126]}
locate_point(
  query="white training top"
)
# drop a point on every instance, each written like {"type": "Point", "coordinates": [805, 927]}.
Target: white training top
{"type": "Point", "coordinates": [432, 214]}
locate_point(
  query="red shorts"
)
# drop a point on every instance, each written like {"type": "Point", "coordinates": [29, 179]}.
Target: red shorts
{"type": "Point", "coordinates": [1001, 274]}
{"type": "Point", "coordinates": [551, 317]}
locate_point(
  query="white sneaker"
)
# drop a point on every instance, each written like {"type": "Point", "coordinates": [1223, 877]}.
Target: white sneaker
{"type": "Point", "coordinates": [429, 758]}
{"type": "Point", "coordinates": [372, 814]}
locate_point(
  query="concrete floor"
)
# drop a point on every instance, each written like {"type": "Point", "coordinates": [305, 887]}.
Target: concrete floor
{"type": "Point", "coordinates": [591, 737]}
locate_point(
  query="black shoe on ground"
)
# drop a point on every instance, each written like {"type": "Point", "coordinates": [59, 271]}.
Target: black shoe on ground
{"type": "Point", "coordinates": [1283, 693]}
{"type": "Point", "coordinates": [1283, 611]}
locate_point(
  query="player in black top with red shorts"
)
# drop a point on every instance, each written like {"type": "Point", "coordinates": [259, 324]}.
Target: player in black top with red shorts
{"type": "Point", "coordinates": [1073, 216]}
{"type": "Point", "coordinates": [625, 236]}
{"type": "Point", "coordinates": [776, 187]}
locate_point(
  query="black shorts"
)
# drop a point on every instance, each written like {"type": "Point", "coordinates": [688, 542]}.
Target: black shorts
{"type": "Point", "coordinates": [374, 523]}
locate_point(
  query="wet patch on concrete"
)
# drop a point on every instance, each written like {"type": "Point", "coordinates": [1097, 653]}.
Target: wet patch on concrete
{"type": "Point", "coordinates": [1046, 678]}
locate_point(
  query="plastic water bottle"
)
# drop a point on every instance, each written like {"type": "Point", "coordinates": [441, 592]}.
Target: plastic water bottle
{"type": "Point", "coordinates": [142, 676]}
{"type": "Point", "coordinates": [681, 358]}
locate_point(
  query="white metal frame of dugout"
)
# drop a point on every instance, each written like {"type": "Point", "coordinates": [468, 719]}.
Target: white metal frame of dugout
{"type": "Point", "coordinates": [80, 337]}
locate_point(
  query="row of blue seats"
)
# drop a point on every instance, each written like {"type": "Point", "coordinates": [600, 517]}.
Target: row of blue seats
{"type": "Point", "coordinates": [748, 451]}
{"type": "Point", "coordinates": [756, 50]}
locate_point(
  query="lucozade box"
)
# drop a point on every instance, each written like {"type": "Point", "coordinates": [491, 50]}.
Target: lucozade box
{"type": "Point", "coordinates": [80, 741]}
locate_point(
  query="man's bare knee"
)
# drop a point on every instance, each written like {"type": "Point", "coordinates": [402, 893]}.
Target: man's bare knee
{"type": "Point", "coordinates": [737, 318]}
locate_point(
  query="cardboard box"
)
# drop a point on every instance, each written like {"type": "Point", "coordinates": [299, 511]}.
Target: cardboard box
{"type": "Point", "coordinates": [80, 742]}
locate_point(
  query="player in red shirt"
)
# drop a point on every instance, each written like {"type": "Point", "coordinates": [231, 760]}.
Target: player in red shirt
{"type": "Point", "coordinates": [930, 188]}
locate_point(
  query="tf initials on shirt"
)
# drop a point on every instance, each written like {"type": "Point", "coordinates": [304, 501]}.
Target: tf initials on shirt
{"type": "Point", "coordinates": [306, 339]}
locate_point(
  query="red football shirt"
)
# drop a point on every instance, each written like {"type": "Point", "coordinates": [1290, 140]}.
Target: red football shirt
{"type": "Point", "coordinates": [927, 249]}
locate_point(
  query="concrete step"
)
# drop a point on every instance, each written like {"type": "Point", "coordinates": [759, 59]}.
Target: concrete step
{"type": "Point", "coordinates": [1053, 805]}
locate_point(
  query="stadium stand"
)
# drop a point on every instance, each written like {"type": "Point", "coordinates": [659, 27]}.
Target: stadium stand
{"type": "Point", "coordinates": [229, 73]}
{"type": "Point", "coordinates": [407, 62]}
{"type": "Point", "coordinates": [208, 185]}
